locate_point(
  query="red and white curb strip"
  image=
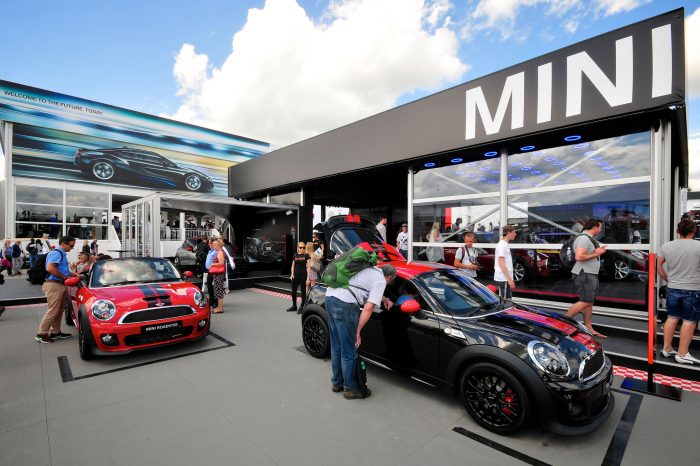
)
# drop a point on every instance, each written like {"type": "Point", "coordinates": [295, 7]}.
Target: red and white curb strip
{"type": "Point", "coordinates": [621, 371]}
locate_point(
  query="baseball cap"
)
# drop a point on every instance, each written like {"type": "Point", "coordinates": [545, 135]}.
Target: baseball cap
{"type": "Point", "coordinates": [404, 224]}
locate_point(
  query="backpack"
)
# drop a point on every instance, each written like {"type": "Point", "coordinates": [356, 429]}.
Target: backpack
{"type": "Point", "coordinates": [37, 274]}
{"type": "Point", "coordinates": [567, 255]}
{"type": "Point", "coordinates": [338, 273]}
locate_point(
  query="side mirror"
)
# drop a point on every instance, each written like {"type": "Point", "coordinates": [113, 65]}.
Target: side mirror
{"type": "Point", "coordinates": [492, 288]}
{"type": "Point", "coordinates": [71, 281]}
{"type": "Point", "coordinates": [410, 306]}
{"type": "Point", "coordinates": [188, 274]}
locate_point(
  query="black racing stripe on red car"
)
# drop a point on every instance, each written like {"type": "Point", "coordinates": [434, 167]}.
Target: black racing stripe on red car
{"type": "Point", "coordinates": [162, 295]}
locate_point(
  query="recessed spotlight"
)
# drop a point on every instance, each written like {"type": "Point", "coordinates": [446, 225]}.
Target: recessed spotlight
{"type": "Point", "coordinates": [527, 148]}
{"type": "Point", "coordinates": [572, 138]}
{"type": "Point", "coordinates": [526, 168]}
{"type": "Point", "coordinates": [550, 158]}
{"type": "Point", "coordinates": [516, 164]}
{"type": "Point", "coordinates": [491, 153]}
{"type": "Point", "coordinates": [429, 164]}
{"type": "Point", "coordinates": [457, 160]}
{"type": "Point", "coordinates": [495, 172]}
{"type": "Point", "coordinates": [583, 145]}
{"type": "Point", "coordinates": [535, 172]}
{"type": "Point", "coordinates": [597, 157]}
{"type": "Point", "coordinates": [600, 164]}
{"type": "Point", "coordinates": [589, 152]}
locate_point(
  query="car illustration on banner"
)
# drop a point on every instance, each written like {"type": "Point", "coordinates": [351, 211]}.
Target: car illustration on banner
{"type": "Point", "coordinates": [132, 164]}
{"type": "Point", "coordinates": [510, 364]}
{"type": "Point", "coordinates": [132, 304]}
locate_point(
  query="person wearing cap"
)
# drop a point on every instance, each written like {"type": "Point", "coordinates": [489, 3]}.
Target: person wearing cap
{"type": "Point", "coordinates": [402, 241]}
{"type": "Point", "coordinates": [503, 271]}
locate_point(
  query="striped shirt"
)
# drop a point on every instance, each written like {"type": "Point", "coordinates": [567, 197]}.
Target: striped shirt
{"type": "Point", "coordinates": [366, 286]}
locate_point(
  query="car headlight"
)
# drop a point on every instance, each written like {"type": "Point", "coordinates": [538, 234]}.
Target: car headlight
{"type": "Point", "coordinates": [199, 299]}
{"type": "Point", "coordinates": [103, 309]}
{"type": "Point", "coordinates": [548, 358]}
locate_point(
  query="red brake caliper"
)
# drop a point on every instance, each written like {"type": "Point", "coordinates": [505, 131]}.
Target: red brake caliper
{"type": "Point", "coordinates": [508, 398]}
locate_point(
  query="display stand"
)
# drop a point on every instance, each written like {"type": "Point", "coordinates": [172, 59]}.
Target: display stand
{"type": "Point", "coordinates": [649, 386]}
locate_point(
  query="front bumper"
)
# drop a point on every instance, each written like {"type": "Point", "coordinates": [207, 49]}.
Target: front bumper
{"type": "Point", "coordinates": [130, 337]}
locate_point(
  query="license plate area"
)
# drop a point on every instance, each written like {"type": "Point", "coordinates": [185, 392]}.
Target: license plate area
{"type": "Point", "coordinates": [166, 327]}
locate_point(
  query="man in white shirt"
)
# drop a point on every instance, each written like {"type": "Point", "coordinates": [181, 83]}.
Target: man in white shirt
{"type": "Point", "coordinates": [503, 269]}
{"type": "Point", "coordinates": [402, 241]}
{"type": "Point", "coordinates": [346, 320]}
{"type": "Point", "coordinates": [381, 227]}
{"type": "Point", "coordinates": [466, 257]}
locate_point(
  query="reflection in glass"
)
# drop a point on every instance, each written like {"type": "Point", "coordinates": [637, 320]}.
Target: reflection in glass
{"type": "Point", "coordinates": [455, 218]}
{"type": "Point", "coordinates": [86, 198]}
{"type": "Point", "coordinates": [553, 217]}
{"type": "Point", "coordinates": [86, 231]}
{"type": "Point", "coordinates": [43, 195]}
{"type": "Point", "coordinates": [603, 160]}
{"type": "Point", "coordinates": [479, 177]}
{"type": "Point", "coordinates": [37, 230]}
{"type": "Point", "coordinates": [37, 213]}
{"type": "Point", "coordinates": [86, 215]}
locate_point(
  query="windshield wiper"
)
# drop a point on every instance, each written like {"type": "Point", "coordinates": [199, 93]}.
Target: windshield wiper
{"type": "Point", "coordinates": [125, 282]}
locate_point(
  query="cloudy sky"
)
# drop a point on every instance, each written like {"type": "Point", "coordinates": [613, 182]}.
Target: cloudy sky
{"type": "Point", "coordinates": [286, 70]}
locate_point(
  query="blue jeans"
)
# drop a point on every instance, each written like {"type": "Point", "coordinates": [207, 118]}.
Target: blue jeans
{"type": "Point", "coordinates": [683, 304]}
{"type": "Point", "coordinates": [32, 260]}
{"type": "Point", "coordinates": [342, 326]}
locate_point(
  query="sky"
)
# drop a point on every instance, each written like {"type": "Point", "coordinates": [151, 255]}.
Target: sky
{"type": "Point", "coordinates": [285, 70]}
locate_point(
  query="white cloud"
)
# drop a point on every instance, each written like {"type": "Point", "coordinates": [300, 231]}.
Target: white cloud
{"type": "Point", "coordinates": [613, 7]}
{"type": "Point", "coordinates": [692, 53]}
{"type": "Point", "coordinates": [287, 78]}
{"type": "Point", "coordinates": [571, 26]}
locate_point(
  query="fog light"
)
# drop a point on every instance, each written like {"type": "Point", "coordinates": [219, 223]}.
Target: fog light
{"type": "Point", "coordinates": [107, 338]}
{"type": "Point", "coordinates": [202, 323]}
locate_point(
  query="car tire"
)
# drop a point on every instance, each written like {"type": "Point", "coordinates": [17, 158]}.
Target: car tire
{"type": "Point", "coordinates": [193, 182]}
{"type": "Point", "coordinates": [85, 344]}
{"type": "Point", "coordinates": [314, 333]}
{"type": "Point", "coordinates": [495, 398]}
{"type": "Point", "coordinates": [68, 308]}
{"type": "Point", "coordinates": [621, 269]}
{"type": "Point", "coordinates": [103, 170]}
{"type": "Point", "coordinates": [176, 262]}
{"type": "Point", "coordinates": [521, 272]}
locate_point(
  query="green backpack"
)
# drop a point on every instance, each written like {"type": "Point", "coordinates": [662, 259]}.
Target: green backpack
{"type": "Point", "coordinates": [338, 273]}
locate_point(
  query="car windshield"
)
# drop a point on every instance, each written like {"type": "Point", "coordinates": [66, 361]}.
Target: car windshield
{"type": "Point", "coordinates": [345, 239]}
{"type": "Point", "coordinates": [458, 293]}
{"type": "Point", "coordinates": [130, 271]}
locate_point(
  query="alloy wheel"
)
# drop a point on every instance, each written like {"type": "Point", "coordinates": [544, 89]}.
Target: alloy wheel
{"type": "Point", "coordinates": [622, 269]}
{"type": "Point", "coordinates": [493, 400]}
{"type": "Point", "coordinates": [315, 336]}
{"type": "Point", "coordinates": [518, 272]}
{"type": "Point", "coordinates": [103, 170]}
{"type": "Point", "coordinates": [193, 182]}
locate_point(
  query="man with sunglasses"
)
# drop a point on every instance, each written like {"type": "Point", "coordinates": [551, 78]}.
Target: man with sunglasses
{"type": "Point", "coordinates": [57, 269]}
{"type": "Point", "coordinates": [298, 275]}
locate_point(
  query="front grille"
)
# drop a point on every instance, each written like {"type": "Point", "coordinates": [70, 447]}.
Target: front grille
{"type": "Point", "coordinates": [141, 339]}
{"type": "Point", "coordinates": [156, 313]}
{"type": "Point", "coordinates": [592, 365]}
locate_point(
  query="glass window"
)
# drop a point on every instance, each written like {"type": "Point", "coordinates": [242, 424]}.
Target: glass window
{"type": "Point", "coordinates": [113, 273]}
{"type": "Point", "coordinates": [86, 232]}
{"type": "Point", "coordinates": [459, 294]}
{"type": "Point", "coordinates": [37, 230]}
{"type": "Point", "coordinates": [482, 176]}
{"type": "Point", "coordinates": [86, 198]}
{"type": "Point", "coordinates": [287, 199]}
{"type": "Point", "coordinates": [38, 213]}
{"type": "Point", "coordinates": [603, 160]}
{"type": "Point", "coordinates": [39, 195]}
{"type": "Point", "coordinates": [551, 217]}
{"type": "Point", "coordinates": [453, 219]}
{"type": "Point", "coordinates": [86, 215]}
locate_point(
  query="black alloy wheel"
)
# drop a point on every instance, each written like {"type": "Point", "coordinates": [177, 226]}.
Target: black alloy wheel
{"type": "Point", "coordinates": [68, 308]}
{"type": "Point", "coordinates": [193, 182]}
{"type": "Point", "coordinates": [103, 170]}
{"type": "Point", "coordinates": [85, 340]}
{"type": "Point", "coordinates": [177, 263]}
{"type": "Point", "coordinates": [494, 398]}
{"type": "Point", "coordinates": [315, 336]}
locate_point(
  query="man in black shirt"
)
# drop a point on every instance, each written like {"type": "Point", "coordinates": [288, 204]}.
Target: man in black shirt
{"type": "Point", "coordinates": [298, 275]}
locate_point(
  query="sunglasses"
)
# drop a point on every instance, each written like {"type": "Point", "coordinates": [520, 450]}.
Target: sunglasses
{"type": "Point", "coordinates": [300, 247]}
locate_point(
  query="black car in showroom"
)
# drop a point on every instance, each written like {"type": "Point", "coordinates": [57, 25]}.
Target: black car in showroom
{"type": "Point", "coordinates": [510, 364]}
{"type": "Point", "coordinates": [136, 164]}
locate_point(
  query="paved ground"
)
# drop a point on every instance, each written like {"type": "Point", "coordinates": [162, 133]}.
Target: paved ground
{"type": "Point", "coordinates": [264, 402]}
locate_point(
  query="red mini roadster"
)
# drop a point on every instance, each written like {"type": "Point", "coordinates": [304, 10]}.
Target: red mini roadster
{"type": "Point", "coordinates": [131, 304]}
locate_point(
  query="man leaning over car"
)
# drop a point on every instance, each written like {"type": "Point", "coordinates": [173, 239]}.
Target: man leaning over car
{"type": "Point", "coordinates": [58, 270]}
{"type": "Point", "coordinates": [345, 323]}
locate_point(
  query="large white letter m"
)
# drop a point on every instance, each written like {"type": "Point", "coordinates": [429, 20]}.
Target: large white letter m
{"type": "Point", "coordinates": [513, 91]}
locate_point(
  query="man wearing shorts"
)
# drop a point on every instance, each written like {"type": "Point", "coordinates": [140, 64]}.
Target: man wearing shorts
{"type": "Point", "coordinates": [585, 272]}
{"type": "Point", "coordinates": [682, 272]}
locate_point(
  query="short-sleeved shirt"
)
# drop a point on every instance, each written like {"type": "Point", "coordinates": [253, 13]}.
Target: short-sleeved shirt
{"type": "Point", "coordinates": [211, 255]}
{"type": "Point", "coordinates": [502, 250]}
{"type": "Point", "coordinates": [682, 263]}
{"type": "Point", "coordinates": [367, 286]}
{"type": "Point", "coordinates": [58, 257]}
{"type": "Point", "coordinates": [591, 265]}
{"type": "Point", "coordinates": [468, 256]}
{"type": "Point", "coordinates": [300, 264]}
{"type": "Point", "coordinates": [402, 239]}
{"type": "Point", "coordinates": [381, 228]}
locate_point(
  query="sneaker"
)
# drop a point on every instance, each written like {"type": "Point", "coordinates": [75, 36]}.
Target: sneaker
{"type": "Point", "coordinates": [352, 395]}
{"type": "Point", "coordinates": [43, 338]}
{"type": "Point", "coordinates": [292, 309]}
{"type": "Point", "coordinates": [60, 336]}
{"type": "Point", "coordinates": [687, 359]}
{"type": "Point", "coordinates": [337, 388]}
{"type": "Point", "coordinates": [668, 354]}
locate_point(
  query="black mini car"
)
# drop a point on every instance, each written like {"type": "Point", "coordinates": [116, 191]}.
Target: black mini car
{"type": "Point", "coordinates": [508, 363]}
{"type": "Point", "coordinates": [136, 164]}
